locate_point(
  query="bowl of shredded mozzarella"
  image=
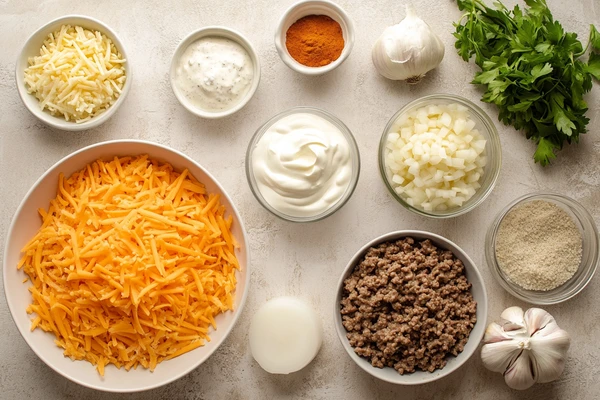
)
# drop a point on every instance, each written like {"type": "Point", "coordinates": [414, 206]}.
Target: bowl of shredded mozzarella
{"type": "Point", "coordinates": [73, 73]}
{"type": "Point", "coordinates": [440, 156]}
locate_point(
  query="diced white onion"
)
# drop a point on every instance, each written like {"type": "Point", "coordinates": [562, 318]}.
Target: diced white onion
{"type": "Point", "coordinates": [436, 157]}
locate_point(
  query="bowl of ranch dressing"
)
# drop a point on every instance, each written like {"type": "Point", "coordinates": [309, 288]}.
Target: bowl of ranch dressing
{"type": "Point", "coordinates": [214, 72]}
{"type": "Point", "coordinates": [303, 164]}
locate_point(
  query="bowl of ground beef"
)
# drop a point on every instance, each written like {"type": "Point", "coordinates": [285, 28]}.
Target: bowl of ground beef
{"type": "Point", "coordinates": [411, 307]}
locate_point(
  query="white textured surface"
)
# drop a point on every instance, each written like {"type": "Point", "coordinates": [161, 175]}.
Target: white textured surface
{"type": "Point", "coordinates": [291, 259]}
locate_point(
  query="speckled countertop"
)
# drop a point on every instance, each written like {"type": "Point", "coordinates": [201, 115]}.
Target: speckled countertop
{"type": "Point", "coordinates": [303, 260]}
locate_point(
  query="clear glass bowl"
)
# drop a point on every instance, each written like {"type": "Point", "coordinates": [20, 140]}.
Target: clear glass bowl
{"type": "Point", "coordinates": [354, 156]}
{"type": "Point", "coordinates": [589, 257]}
{"type": "Point", "coordinates": [493, 152]}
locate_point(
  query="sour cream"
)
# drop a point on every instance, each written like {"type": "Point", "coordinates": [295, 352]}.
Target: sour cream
{"type": "Point", "coordinates": [214, 74]}
{"type": "Point", "coordinates": [302, 165]}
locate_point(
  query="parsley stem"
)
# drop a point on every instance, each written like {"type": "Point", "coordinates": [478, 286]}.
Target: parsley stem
{"type": "Point", "coordinates": [577, 55]}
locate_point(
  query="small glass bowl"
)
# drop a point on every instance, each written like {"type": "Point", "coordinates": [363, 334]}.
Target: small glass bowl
{"type": "Point", "coordinates": [493, 152]}
{"type": "Point", "coordinates": [589, 257]}
{"type": "Point", "coordinates": [354, 155]}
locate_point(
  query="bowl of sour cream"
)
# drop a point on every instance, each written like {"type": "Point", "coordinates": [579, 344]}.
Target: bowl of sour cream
{"type": "Point", "coordinates": [303, 164]}
{"type": "Point", "coordinates": [214, 72]}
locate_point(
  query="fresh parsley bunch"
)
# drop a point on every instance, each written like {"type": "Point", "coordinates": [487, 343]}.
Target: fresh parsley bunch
{"type": "Point", "coordinates": [532, 70]}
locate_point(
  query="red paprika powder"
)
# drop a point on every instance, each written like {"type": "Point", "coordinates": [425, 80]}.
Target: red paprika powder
{"type": "Point", "coordinates": [315, 40]}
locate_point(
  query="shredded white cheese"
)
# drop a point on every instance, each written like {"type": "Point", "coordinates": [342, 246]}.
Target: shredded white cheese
{"type": "Point", "coordinates": [79, 73]}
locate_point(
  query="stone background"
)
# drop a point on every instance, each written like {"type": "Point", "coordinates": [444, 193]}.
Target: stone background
{"type": "Point", "coordinates": [303, 260]}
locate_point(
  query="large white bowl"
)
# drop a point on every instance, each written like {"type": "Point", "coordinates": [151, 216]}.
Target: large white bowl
{"type": "Point", "coordinates": [26, 222]}
{"type": "Point", "coordinates": [477, 290]}
{"type": "Point", "coordinates": [32, 48]}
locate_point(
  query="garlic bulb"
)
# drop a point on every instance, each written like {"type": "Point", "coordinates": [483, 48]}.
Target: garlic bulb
{"type": "Point", "coordinates": [526, 347]}
{"type": "Point", "coordinates": [408, 50]}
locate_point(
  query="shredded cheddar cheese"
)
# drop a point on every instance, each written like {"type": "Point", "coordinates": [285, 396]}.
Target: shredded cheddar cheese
{"type": "Point", "coordinates": [79, 73]}
{"type": "Point", "coordinates": [131, 265]}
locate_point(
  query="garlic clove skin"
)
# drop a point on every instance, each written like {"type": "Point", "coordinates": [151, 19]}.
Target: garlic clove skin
{"type": "Point", "coordinates": [498, 356]}
{"type": "Point", "coordinates": [494, 333]}
{"type": "Point", "coordinates": [513, 318]}
{"type": "Point", "coordinates": [536, 319]}
{"type": "Point", "coordinates": [520, 375]}
{"type": "Point", "coordinates": [548, 368]}
{"type": "Point", "coordinates": [549, 349]}
{"type": "Point", "coordinates": [408, 50]}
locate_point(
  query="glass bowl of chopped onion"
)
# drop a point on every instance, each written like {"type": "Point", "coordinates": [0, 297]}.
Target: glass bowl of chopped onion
{"type": "Point", "coordinates": [440, 156]}
{"type": "Point", "coordinates": [543, 248]}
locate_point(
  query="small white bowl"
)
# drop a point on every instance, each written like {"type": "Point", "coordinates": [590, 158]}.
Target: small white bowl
{"type": "Point", "coordinates": [25, 224]}
{"type": "Point", "coordinates": [313, 7]}
{"type": "Point", "coordinates": [32, 48]}
{"type": "Point", "coordinates": [215, 31]}
{"type": "Point", "coordinates": [453, 363]}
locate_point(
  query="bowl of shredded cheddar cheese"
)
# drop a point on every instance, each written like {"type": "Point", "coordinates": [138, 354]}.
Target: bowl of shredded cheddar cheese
{"type": "Point", "coordinates": [73, 73]}
{"type": "Point", "coordinates": [125, 266]}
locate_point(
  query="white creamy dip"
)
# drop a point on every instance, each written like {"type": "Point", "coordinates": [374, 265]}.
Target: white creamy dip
{"type": "Point", "coordinates": [214, 73]}
{"type": "Point", "coordinates": [302, 165]}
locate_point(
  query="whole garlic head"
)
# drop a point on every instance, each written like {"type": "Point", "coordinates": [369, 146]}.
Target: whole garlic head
{"type": "Point", "coordinates": [526, 347]}
{"type": "Point", "coordinates": [408, 50]}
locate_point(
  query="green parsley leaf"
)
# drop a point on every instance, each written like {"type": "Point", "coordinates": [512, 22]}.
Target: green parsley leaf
{"type": "Point", "coordinates": [563, 123]}
{"type": "Point", "coordinates": [544, 152]}
{"type": "Point", "coordinates": [486, 77]}
{"type": "Point", "coordinates": [555, 32]}
{"type": "Point", "coordinates": [524, 105]}
{"type": "Point", "coordinates": [540, 70]}
{"type": "Point", "coordinates": [594, 38]}
{"type": "Point", "coordinates": [543, 47]}
{"type": "Point", "coordinates": [593, 65]}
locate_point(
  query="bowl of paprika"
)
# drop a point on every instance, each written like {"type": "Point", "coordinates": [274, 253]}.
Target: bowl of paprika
{"type": "Point", "coordinates": [314, 37]}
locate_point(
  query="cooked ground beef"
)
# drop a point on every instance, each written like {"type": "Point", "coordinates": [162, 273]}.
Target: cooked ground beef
{"type": "Point", "coordinates": [408, 305]}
